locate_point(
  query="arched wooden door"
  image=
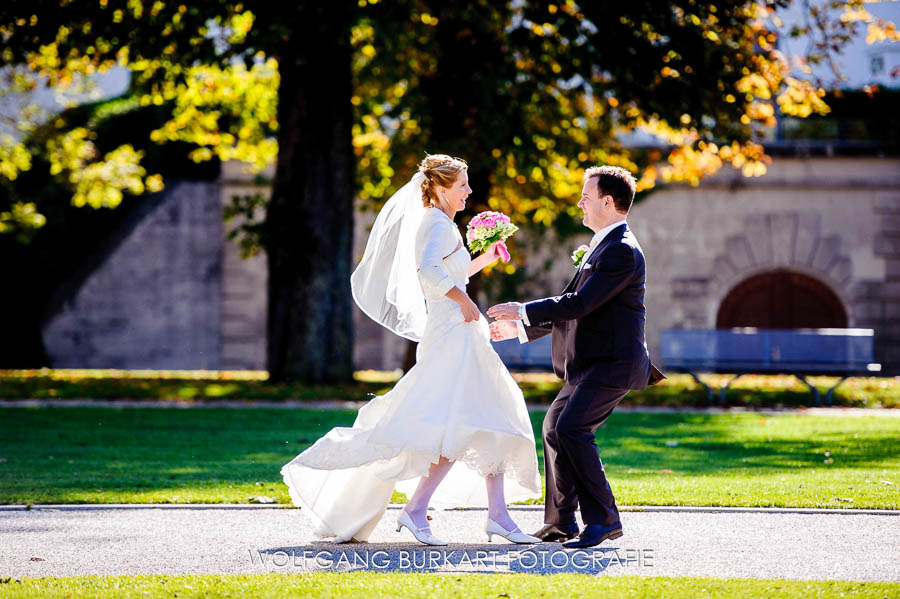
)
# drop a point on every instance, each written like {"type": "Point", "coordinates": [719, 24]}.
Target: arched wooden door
{"type": "Point", "coordinates": [781, 300]}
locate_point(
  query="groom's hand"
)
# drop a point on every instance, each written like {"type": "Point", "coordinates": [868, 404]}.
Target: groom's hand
{"type": "Point", "coordinates": [502, 330]}
{"type": "Point", "coordinates": [507, 311]}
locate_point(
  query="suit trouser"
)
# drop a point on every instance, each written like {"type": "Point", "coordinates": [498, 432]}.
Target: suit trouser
{"type": "Point", "coordinates": [574, 472]}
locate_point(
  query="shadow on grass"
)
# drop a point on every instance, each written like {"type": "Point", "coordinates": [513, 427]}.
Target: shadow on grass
{"type": "Point", "coordinates": [712, 443]}
{"type": "Point", "coordinates": [678, 390]}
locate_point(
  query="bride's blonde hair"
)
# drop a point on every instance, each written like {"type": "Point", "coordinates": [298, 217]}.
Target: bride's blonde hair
{"type": "Point", "coordinates": [439, 169]}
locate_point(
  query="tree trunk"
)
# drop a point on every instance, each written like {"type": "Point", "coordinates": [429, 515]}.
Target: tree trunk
{"type": "Point", "coordinates": [23, 344]}
{"type": "Point", "coordinates": [409, 356]}
{"type": "Point", "coordinates": [309, 224]}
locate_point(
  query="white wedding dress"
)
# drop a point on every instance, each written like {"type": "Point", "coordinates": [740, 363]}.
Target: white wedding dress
{"type": "Point", "coordinates": [458, 401]}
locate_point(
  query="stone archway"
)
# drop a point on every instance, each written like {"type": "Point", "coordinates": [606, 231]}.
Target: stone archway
{"type": "Point", "coordinates": [781, 299]}
{"type": "Point", "coordinates": [778, 242]}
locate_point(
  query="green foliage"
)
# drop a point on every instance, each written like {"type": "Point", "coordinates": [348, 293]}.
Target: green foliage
{"type": "Point", "coordinates": [532, 93]}
{"type": "Point", "coordinates": [23, 218]}
{"type": "Point", "coordinates": [63, 165]}
{"type": "Point", "coordinates": [99, 184]}
{"type": "Point", "coordinates": [248, 228]}
{"type": "Point", "coordinates": [529, 92]}
{"type": "Point", "coordinates": [14, 157]}
{"type": "Point", "coordinates": [59, 46]}
{"type": "Point", "coordinates": [227, 112]}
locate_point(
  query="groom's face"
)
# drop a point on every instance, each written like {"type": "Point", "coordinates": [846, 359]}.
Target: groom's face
{"type": "Point", "coordinates": [594, 206]}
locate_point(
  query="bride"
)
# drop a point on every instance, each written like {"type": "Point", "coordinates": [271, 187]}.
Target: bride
{"type": "Point", "coordinates": [458, 403]}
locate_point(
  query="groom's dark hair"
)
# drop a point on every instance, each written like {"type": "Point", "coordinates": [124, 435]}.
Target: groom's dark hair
{"type": "Point", "coordinates": [615, 181]}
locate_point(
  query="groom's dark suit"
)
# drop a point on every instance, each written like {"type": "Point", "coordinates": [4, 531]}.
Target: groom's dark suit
{"type": "Point", "coordinates": [600, 352]}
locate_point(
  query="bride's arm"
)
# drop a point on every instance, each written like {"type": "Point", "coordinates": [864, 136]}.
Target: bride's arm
{"type": "Point", "coordinates": [436, 242]}
{"type": "Point", "coordinates": [489, 256]}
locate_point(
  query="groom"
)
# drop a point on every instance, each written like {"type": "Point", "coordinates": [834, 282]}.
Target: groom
{"type": "Point", "coordinates": [599, 351]}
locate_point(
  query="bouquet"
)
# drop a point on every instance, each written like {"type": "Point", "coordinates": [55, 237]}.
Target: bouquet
{"type": "Point", "coordinates": [486, 228]}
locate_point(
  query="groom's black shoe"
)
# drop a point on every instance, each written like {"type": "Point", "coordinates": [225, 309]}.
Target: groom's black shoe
{"type": "Point", "coordinates": [554, 533]}
{"type": "Point", "coordinates": [594, 534]}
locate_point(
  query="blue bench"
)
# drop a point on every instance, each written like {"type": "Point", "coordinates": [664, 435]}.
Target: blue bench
{"type": "Point", "coordinates": [801, 352]}
{"type": "Point", "coordinates": [536, 355]}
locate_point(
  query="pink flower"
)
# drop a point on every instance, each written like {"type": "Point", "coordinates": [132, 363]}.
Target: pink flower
{"type": "Point", "coordinates": [489, 225]}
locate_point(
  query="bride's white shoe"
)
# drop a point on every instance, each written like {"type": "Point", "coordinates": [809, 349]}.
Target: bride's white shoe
{"type": "Point", "coordinates": [513, 536]}
{"type": "Point", "coordinates": [423, 535]}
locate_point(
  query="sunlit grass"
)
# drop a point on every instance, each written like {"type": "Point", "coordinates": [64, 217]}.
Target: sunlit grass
{"type": "Point", "coordinates": [378, 376]}
{"type": "Point", "coordinates": [107, 455]}
{"type": "Point", "coordinates": [193, 385]}
{"type": "Point", "coordinates": [71, 374]}
{"type": "Point", "coordinates": [179, 385]}
{"type": "Point", "coordinates": [353, 585]}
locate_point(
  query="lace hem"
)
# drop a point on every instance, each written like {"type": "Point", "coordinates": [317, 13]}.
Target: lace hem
{"type": "Point", "coordinates": [511, 468]}
{"type": "Point", "coordinates": [323, 458]}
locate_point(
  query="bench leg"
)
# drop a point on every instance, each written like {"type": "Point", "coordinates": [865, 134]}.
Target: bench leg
{"type": "Point", "coordinates": [724, 390]}
{"type": "Point", "coordinates": [709, 391]}
{"type": "Point", "coordinates": [815, 391]}
{"type": "Point", "coordinates": [830, 393]}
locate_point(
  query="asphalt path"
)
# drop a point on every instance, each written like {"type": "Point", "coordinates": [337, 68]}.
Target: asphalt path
{"type": "Point", "coordinates": [757, 543]}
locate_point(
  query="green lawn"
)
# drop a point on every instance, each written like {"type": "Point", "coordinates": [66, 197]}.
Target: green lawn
{"type": "Point", "coordinates": [186, 385]}
{"type": "Point", "coordinates": [105, 455]}
{"type": "Point", "coordinates": [377, 584]}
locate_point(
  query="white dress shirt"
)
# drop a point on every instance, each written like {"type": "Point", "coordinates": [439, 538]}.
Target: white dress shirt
{"type": "Point", "coordinates": [595, 241]}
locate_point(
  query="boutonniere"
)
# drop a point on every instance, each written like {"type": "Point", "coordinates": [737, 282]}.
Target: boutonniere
{"type": "Point", "coordinates": [578, 255]}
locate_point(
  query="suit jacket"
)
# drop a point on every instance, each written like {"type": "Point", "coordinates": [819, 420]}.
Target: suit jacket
{"type": "Point", "coordinates": [598, 321]}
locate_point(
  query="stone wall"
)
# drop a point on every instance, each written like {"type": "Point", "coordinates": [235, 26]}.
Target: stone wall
{"type": "Point", "coordinates": [883, 296]}
{"type": "Point", "coordinates": [153, 297]}
{"type": "Point", "coordinates": [169, 291]}
{"type": "Point", "coordinates": [244, 283]}
{"type": "Point", "coordinates": [835, 219]}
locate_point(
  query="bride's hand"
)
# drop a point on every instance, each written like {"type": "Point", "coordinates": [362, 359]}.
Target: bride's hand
{"type": "Point", "coordinates": [497, 251]}
{"type": "Point", "coordinates": [469, 309]}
